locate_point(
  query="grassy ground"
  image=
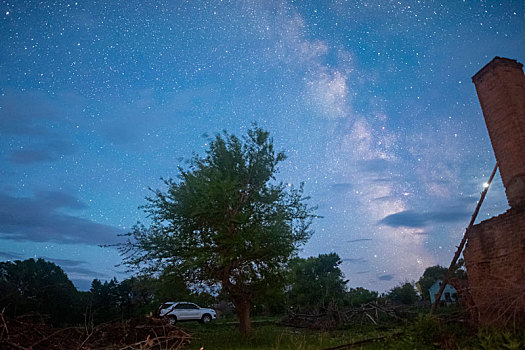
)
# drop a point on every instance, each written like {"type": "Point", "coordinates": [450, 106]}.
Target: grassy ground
{"type": "Point", "coordinates": [420, 333]}
{"type": "Point", "coordinates": [270, 336]}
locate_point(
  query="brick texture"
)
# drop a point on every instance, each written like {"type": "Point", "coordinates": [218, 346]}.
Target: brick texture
{"type": "Point", "coordinates": [501, 91]}
{"type": "Point", "coordinates": [495, 262]}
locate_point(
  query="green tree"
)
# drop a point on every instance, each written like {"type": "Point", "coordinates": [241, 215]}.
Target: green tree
{"type": "Point", "coordinates": [104, 301]}
{"type": "Point", "coordinates": [225, 221]}
{"type": "Point", "coordinates": [170, 286]}
{"type": "Point", "coordinates": [316, 282]}
{"type": "Point", "coordinates": [404, 294]}
{"type": "Point", "coordinates": [430, 276]}
{"type": "Point", "coordinates": [437, 272]}
{"type": "Point", "coordinates": [359, 296]}
{"type": "Point", "coordinates": [133, 297]}
{"type": "Point", "coordinates": [38, 286]}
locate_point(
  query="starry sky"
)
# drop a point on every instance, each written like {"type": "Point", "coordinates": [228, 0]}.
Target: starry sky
{"type": "Point", "coordinates": [372, 101]}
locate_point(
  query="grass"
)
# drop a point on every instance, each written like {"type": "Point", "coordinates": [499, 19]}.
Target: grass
{"type": "Point", "coordinates": [266, 336]}
{"type": "Point", "coordinates": [422, 332]}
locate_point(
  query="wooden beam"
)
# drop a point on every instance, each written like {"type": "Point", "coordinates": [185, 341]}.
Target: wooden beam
{"type": "Point", "coordinates": [462, 244]}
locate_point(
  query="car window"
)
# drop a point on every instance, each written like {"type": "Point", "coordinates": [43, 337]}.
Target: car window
{"type": "Point", "coordinates": [181, 306]}
{"type": "Point", "coordinates": [192, 306]}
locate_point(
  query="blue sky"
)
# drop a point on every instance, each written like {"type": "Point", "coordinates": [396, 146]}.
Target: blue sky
{"type": "Point", "coordinates": [372, 102]}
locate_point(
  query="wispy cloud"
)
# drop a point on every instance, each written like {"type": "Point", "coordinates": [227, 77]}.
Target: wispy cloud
{"type": "Point", "coordinates": [341, 187]}
{"type": "Point", "coordinates": [386, 277]}
{"type": "Point", "coordinates": [77, 268]}
{"type": "Point", "coordinates": [41, 152]}
{"type": "Point", "coordinates": [359, 240]}
{"type": "Point", "coordinates": [28, 118]}
{"type": "Point", "coordinates": [410, 218]}
{"type": "Point", "coordinates": [30, 156]}
{"type": "Point", "coordinates": [40, 219]}
{"type": "Point", "coordinates": [79, 272]}
{"type": "Point", "coordinates": [26, 113]}
{"type": "Point", "coordinates": [10, 256]}
{"type": "Point", "coordinates": [354, 260]}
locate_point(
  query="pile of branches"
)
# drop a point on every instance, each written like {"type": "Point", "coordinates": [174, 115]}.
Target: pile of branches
{"type": "Point", "coordinates": [329, 319]}
{"type": "Point", "coordinates": [144, 333]}
{"type": "Point", "coordinates": [332, 318]}
{"type": "Point", "coordinates": [372, 312]}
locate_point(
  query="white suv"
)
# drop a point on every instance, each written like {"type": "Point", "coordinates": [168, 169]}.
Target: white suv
{"type": "Point", "coordinates": [184, 311]}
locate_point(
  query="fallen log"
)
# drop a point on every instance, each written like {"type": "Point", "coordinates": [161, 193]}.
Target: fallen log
{"type": "Point", "coordinates": [361, 342]}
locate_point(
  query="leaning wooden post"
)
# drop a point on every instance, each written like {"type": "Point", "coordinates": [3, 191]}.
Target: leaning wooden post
{"type": "Point", "coordinates": [462, 244]}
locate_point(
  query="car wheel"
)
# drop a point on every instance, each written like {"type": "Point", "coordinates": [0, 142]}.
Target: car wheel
{"type": "Point", "coordinates": [172, 320]}
{"type": "Point", "coordinates": [206, 319]}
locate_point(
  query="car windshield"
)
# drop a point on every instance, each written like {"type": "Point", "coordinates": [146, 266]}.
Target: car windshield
{"type": "Point", "coordinates": [165, 305]}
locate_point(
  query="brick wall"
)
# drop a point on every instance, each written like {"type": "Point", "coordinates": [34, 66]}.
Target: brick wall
{"type": "Point", "coordinates": [495, 262]}
{"type": "Point", "coordinates": [501, 91]}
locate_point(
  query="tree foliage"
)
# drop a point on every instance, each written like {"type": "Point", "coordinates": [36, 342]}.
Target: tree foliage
{"type": "Point", "coordinates": [225, 221]}
{"type": "Point", "coordinates": [404, 294]}
{"type": "Point", "coordinates": [430, 276]}
{"type": "Point", "coordinates": [359, 296]}
{"type": "Point", "coordinates": [316, 282]}
{"type": "Point", "coordinates": [170, 286]}
{"type": "Point", "coordinates": [437, 272]}
{"type": "Point", "coordinates": [38, 287]}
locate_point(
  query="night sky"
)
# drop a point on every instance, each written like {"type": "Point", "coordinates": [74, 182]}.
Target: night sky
{"type": "Point", "coordinates": [372, 101]}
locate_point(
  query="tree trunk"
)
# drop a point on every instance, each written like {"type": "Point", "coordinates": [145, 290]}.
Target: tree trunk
{"type": "Point", "coordinates": [243, 307]}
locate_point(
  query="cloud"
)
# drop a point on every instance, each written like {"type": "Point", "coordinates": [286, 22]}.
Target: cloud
{"type": "Point", "coordinates": [58, 199]}
{"type": "Point", "coordinates": [359, 240]}
{"type": "Point", "coordinates": [78, 273]}
{"type": "Point", "coordinates": [10, 256]}
{"type": "Point", "coordinates": [85, 271]}
{"type": "Point", "coordinates": [82, 284]}
{"type": "Point", "coordinates": [412, 219]}
{"type": "Point", "coordinates": [76, 267]}
{"type": "Point", "coordinates": [377, 165]}
{"type": "Point", "coordinates": [65, 262]}
{"type": "Point", "coordinates": [354, 260]}
{"type": "Point", "coordinates": [41, 152]}
{"type": "Point", "coordinates": [32, 121]}
{"type": "Point", "coordinates": [387, 277]}
{"type": "Point", "coordinates": [30, 156]}
{"type": "Point", "coordinates": [341, 187]}
{"type": "Point", "coordinates": [25, 113]}
{"type": "Point", "coordinates": [76, 270]}
{"type": "Point", "coordinates": [39, 219]}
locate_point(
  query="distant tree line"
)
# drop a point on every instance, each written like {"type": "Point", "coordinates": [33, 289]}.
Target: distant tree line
{"type": "Point", "coordinates": [41, 289]}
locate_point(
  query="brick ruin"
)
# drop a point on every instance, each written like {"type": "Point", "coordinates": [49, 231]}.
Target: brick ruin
{"type": "Point", "coordinates": [495, 250]}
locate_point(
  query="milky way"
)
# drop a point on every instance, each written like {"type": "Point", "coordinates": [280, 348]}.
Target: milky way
{"type": "Point", "coordinates": [371, 101]}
